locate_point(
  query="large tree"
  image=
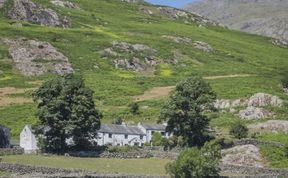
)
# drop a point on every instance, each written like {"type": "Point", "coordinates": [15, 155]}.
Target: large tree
{"type": "Point", "coordinates": [184, 110]}
{"type": "Point", "coordinates": [67, 110]}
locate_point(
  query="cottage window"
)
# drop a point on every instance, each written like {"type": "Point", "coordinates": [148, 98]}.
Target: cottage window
{"type": "Point", "coordinates": [141, 137]}
{"type": "Point", "coordinates": [126, 136]}
{"type": "Point", "coordinates": [110, 135]}
{"type": "Point", "coordinates": [163, 133]}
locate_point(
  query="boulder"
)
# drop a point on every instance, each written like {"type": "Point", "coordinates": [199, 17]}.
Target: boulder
{"type": "Point", "coordinates": [35, 58]}
{"type": "Point", "coordinates": [244, 155]}
{"type": "Point", "coordinates": [252, 112]}
{"type": "Point", "coordinates": [202, 46]}
{"type": "Point", "coordinates": [262, 99]}
{"type": "Point", "coordinates": [26, 10]}
{"type": "Point", "coordinates": [280, 42]}
{"type": "Point", "coordinates": [271, 126]}
{"type": "Point", "coordinates": [66, 4]}
{"type": "Point", "coordinates": [133, 1]}
{"type": "Point", "coordinates": [226, 104]}
{"type": "Point", "coordinates": [133, 64]}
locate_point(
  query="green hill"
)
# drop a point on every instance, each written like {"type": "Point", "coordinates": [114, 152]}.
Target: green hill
{"type": "Point", "coordinates": [236, 64]}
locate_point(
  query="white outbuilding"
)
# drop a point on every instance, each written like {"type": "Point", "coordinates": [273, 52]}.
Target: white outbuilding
{"type": "Point", "coordinates": [28, 140]}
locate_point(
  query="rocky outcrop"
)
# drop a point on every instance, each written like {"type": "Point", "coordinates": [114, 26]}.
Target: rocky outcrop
{"type": "Point", "coordinates": [26, 10]}
{"type": "Point", "coordinates": [252, 112]}
{"type": "Point", "coordinates": [4, 137]}
{"type": "Point", "coordinates": [202, 46]}
{"type": "Point", "coordinates": [257, 100]}
{"type": "Point", "coordinates": [34, 58]}
{"type": "Point", "coordinates": [271, 126]}
{"type": "Point", "coordinates": [281, 43]}
{"type": "Point", "coordinates": [139, 58]}
{"type": "Point", "coordinates": [262, 99]}
{"type": "Point", "coordinates": [66, 4]}
{"type": "Point", "coordinates": [244, 155]}
{"type": "Point", "coordinates": [178, 39]}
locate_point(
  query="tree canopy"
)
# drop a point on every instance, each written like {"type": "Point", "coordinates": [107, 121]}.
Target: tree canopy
{"type": "Point", "coordinates": [197, 163]}
{"type": "Point", "coordinates": [184, 110]}
{"type": "Point", "coordinates": [67, 110]}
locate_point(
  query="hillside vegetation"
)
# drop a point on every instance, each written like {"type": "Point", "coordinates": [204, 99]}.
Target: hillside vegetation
{"type": "Point", "coordinates": [236, 64]}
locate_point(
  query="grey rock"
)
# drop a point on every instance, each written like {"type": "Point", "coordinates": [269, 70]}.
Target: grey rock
{"type": "Point", "coordinates": [271, 126]}
{"type": "Point", "coordinates": [119, 50]}
{"type": "Point", "coordinates": [243, 155]}
{"type": "Point", "coordinates": [280, 42]}
{"type": "Point", "coordinates": [34, 58]}
{"type": "Point", "coordinates": [133, 1]}
{"type": "Point", "coordinates": [26, 10]}
{"type": "Point", "coordinates": [202, 46]}
{"type": "Point", "coordinates": [254, 113]}
{"type": "Point", "coordinates": [262, 99]}
{"type": "Point", "coordinates": [66, 4]}
{"type": "Point", "coordinates": [178, 39]}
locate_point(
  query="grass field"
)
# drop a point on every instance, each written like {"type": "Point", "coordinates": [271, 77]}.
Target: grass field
{"type": "Point", "coordinates": [151, 166]}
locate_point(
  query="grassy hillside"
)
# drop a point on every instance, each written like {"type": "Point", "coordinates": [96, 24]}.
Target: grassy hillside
{"type": "Point", "coordinates": [246, 63]}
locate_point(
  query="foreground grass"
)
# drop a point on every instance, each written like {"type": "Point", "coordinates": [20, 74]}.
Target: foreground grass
{"type": "Point", "coordinates": [4, 174]}
{"type": "Point", "coordinates": [274, 155]}
{"type": "Point", "coordinates": [129, 166]}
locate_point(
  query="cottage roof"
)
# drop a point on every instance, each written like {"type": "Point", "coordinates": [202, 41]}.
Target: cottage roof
{"type": "Point", "coordinates": [120, 129]}
{"type": "Point", "coordinates": [160, 127]}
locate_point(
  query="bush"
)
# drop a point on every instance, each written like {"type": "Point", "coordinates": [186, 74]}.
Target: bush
{"type": "Point", "coordinates": [239, 130]}
{"type": "Point", "coordinates": [196, 162]}
{"type": "Point", "coordinates": [134, 108]}
{"type": "Point", "coordinates": [286, 150]}
{"type": "Point", "coordinates": [284, 80]}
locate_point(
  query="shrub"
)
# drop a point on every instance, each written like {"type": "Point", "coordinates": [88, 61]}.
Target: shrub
{"type": "Point", "coordinates": [284, 80]}
{"type": "Point", "coordinates": [286, 150]}
{"type": "Point", "coordinates": [134, 108]}
{"type": "Point", "coordinates": [196, 162]}
{"type": "Point", "coordinates": [239, 130]}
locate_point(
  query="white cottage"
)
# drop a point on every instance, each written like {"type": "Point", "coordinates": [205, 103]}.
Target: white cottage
{"type": "Point", "coordinates": [150, 129]}
{"type": "Point", "coordinates": [120, 135]}
{"type": "Point", "coordinates": [28, 140]}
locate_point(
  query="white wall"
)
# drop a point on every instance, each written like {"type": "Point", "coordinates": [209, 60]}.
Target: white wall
{"type": "Point", "coordinates": [120, 140]}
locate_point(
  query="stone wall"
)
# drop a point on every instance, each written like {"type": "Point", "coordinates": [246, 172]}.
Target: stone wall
{"type": "Point", "coordinates": [255, 172]}
{"type": "Point", "coordinates": [11, 151]}
{"type": "Point", "coordinates": [256, 142]}
{"type": "Point", "coordinates": [39, 172]}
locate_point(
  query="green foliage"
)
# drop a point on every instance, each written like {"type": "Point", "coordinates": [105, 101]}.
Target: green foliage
{"type": "Point", "coordinates": [134, 108]}
{"type": "Point", "coordinates": [286, 150]}
{"type": "Point", "coordinates": [239, 130]}
{"type": "Point", "coordinates": [196, 163]}
{"type": "Point", "coordinates": [274, 155]}
{"type": "Point", "coordinates": [183, 111]}
{"type": "Point", "coordinates": [118, 121]}
{"type": "Point", "coordinates": [67, 108]}
{"type": "Point", "coordinates": [284, 80]}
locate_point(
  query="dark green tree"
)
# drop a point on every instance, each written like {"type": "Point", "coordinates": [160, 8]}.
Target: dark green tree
{"type": "Point", "coordinates": [239, 130]}
{"type": "Point", "coordinates": [67, 110]}
{"type": "Point", "coordinates": [196, 163]}
{"type": "Point", "coordinates": [184, 110]}
{"type": "Point", "coordinates": [134, 108]}
{"type": "Point", "coordinates": [284, 80]}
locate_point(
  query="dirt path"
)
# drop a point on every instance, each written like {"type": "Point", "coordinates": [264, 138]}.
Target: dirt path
{"type": "Point", "coordinates": [154, 93]}
{"type": "Point", "coordinates": [160, 92]}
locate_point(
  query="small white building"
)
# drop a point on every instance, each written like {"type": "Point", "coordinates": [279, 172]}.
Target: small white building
{"type": "Point", "coordinates": [28, 140]}
{"type": "Point", "coordinates": [120, 135]}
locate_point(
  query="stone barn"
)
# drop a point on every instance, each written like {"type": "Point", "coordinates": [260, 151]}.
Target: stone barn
{"type": "Point", "coordinates": [4, 137]}
{"type": "Point", "coordinates": [28, 140]}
